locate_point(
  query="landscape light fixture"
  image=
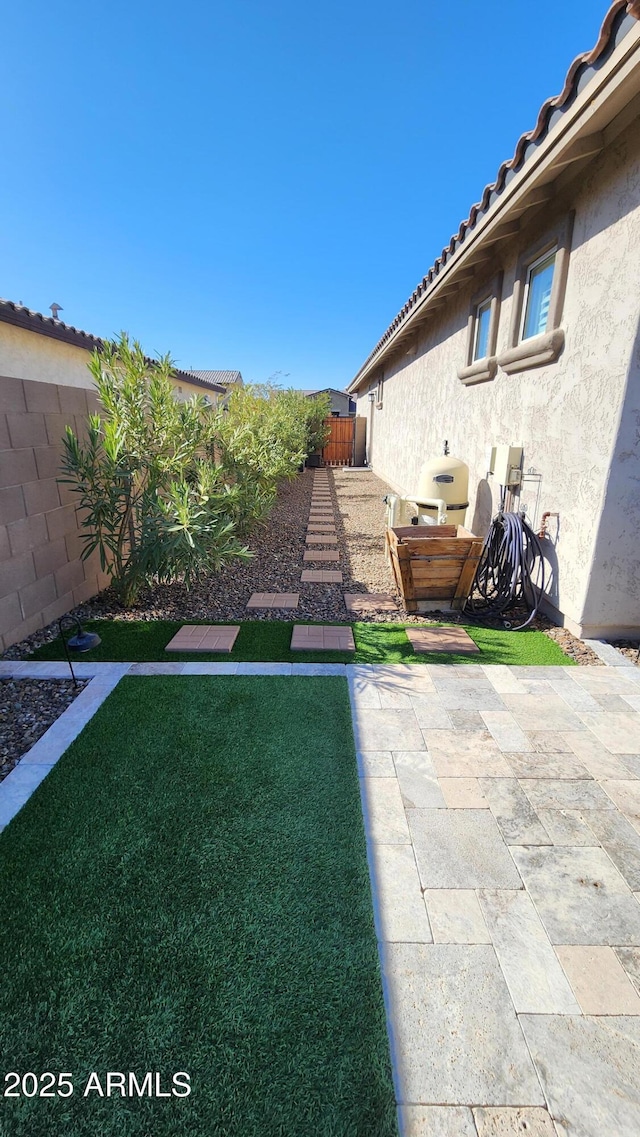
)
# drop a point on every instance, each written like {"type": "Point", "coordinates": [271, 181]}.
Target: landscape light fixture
{"type": "Point", "coordinates": [81, 641]}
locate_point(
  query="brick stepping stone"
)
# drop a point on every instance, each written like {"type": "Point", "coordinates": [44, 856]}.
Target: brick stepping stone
{"type": "Point", "coordinates": [369, 602]}
{"type": "Point", "coordinates": [328, 530]}
{"type": "Point", "coordinates": [321, 576]}
{"type": "Point", "coordinates": [322, 637]}
{"type": "Point", "coordinates": [440, 639]}
{"type": "Point", "coordinates": [321, 539]}
{"type": "Point", "coordinates": [204, 637]}
{"type": "Point", "coordinates": [321, 555]}
{"type": "Point", "coordinates": [273, 600]}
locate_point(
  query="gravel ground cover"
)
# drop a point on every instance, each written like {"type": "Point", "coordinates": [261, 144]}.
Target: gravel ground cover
{"type": "Point", "coordinates": [28, 707]}
{"type": "Point", "coordinates": [278, 546]}
{"type": "Point", "coordinates": [630, 649]}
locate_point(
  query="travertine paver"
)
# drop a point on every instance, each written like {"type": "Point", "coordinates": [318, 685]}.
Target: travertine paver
{"type": "Point", "coordinates": [534, 977]}
{"type": "Point", "coordinates": [437, 1121]}
{"type": "Point", "coordinates": [322, 637]}
{"type": "Point", "coordinates": [457, 1034]}
{"type": "Point", "coordinates": [441, 639]}
{"type": "Point", "coordinates": [461, 848]}
{"type": "Point", "coordinates": [273, 600]}
{"type": "Point", "coordinates": [321, 576]}
{"type": "Point", "coordinates": [505, 774]}
{"type": "Point", "coordinates": [204, 637]}
{"type": "Point", "coordinates": [321, 555]}
{"type": "Point", "coordinates": [456, 916]}
{"type": "Point", "coordinates": [580, 895]}
{"type": "Point", "coordinates": [363, 602]}
{"type": "Point", "coordinates": [599, 980]}
{"type": "Point", "coordinates": [588, 1067]}
{"type": "Point", "coordinates": [505, 1122]}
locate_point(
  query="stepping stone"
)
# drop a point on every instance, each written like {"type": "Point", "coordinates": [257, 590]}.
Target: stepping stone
{"type": "Point", "coordinates": [441, 639]}
{"type": "Point", "coordinates": [273, 600]}
{"type": "Point", "coordinates": [321, 539]}
{"type": "Point", "coordinates": [369, 602]}
{"type": "Point", "coordinates": [321, 555]}
{"type": "Point", "coordinates": [204, 637]}
{"type": "Point", "coordinates": [321, 576]}
{"type": "Point", "coordinates": [321, 527]}
{"type": "Point", "coordinates": [322, 637]}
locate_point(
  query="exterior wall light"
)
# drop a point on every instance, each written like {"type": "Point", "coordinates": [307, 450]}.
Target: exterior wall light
{"type": "Point", "coordinates": [81, 641]}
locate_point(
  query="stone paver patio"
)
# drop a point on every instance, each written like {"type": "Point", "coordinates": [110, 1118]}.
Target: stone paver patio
{"type": "Point", "coordinates": [505, 858]}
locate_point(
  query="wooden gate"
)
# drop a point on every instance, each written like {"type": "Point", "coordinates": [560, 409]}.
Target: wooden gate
{"type": "Point", "coordinates": [338, 449]}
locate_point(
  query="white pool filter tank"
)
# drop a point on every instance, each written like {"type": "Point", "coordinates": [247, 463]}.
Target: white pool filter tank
{"type": "Point", "coordinates": [442, 495]}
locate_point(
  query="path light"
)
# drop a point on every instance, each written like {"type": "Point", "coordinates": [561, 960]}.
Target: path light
{"type": "Point", "coordinates": [81, 641]}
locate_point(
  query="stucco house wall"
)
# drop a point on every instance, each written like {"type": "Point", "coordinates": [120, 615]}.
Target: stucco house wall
{"type": "Point", "coordinates": [578, 418]}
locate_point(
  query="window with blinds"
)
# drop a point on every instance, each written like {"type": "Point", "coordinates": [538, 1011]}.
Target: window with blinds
{"type": "Point", "coordinates": [537, 299]}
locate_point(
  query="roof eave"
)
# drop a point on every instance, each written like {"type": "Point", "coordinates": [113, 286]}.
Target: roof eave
{"type": "Point", "coordinates": [578, 135]}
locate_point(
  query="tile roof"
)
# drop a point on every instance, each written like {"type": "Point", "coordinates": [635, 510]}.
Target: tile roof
{"type": "Point", "coordinates": [224, 378]}
{"type": "Point", "coordinates": [617, 23]}
{"type": "Point", "coordinates": [21, 317]}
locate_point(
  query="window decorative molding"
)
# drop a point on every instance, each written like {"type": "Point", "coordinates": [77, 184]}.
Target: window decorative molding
{"type": "Point", "coordinates": [482, 334]}
{"type": "Point", "coordinates": [535, 335]}
{"type": "Point", "coordinates": [379, 392]}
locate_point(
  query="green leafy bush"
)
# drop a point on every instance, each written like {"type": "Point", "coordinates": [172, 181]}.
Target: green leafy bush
{"type": "Point", "coordinates": [152, 501]}
{"type": "Point", "coordinates": [166, 488]}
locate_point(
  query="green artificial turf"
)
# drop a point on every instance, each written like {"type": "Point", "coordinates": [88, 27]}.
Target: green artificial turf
{"type": "Point", "coordinates": [188, 891]}
{"type": "Point", "coordinates": [262, 641]}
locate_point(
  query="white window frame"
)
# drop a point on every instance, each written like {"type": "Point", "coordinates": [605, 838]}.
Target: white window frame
{"type": "Point", "coordinates": [552, 252]}
{"type": "Point", "coordinates": [481, 306]}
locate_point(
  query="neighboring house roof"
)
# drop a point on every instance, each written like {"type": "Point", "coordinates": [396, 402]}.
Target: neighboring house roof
{"type": "Point", "coordinates": [621, 18]}
{"type": "Point", "coordinates": [21, 317]}
{"type": "Point", "coordinates": [325, 391]}
{"type": "Point", "coordinates": [223, 378]}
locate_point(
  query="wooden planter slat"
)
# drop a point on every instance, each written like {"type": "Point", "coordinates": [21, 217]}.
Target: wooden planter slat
{"type": "Point", "coordinates": [440, 565]}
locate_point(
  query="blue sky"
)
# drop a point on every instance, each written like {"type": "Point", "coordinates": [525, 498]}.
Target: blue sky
{"type": "Point", "coordinates": [258, 185]}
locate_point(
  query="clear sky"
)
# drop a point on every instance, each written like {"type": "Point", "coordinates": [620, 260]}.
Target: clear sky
{"type": "Point", "coordinates": [258, 185]}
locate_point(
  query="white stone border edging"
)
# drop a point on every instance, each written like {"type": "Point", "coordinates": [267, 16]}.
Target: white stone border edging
{"type": "Point", "coordinates": [34, 766]}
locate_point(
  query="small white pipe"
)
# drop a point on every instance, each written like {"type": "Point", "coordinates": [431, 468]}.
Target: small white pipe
{"type": "Point", "coordinates": [432, 503]}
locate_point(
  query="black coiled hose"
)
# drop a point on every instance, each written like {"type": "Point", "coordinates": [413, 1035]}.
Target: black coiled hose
{"type": "Point", "coordinates": [510, 574]}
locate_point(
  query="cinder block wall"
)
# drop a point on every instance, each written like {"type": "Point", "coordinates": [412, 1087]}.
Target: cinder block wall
{"type": "Point", "coordinates": [41, 573]}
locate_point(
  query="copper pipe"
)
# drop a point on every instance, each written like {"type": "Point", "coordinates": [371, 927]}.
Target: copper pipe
{"type": "Point", "coordinates": [543, 522]}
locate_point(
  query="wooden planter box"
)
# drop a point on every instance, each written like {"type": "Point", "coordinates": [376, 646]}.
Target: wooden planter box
{"type": "Point", "coordinates": [433, 563]}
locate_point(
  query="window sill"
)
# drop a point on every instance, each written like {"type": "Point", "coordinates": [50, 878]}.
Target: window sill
{"type": "Point", "coordinates": [479, 372]}
{"type": "Point", "coordinates": [534, 352]}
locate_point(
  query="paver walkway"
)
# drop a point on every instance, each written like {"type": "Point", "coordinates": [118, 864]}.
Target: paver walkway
{"type": "Point", "coordinates": [502, 808]}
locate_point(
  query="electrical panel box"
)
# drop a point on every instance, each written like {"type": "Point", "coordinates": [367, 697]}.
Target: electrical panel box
{"type": "Point", "coordinates": [506, 465]}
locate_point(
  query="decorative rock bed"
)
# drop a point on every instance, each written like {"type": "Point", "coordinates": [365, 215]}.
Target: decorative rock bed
{"type": "Point", "coordinates": [278, 564]}
{"type": "Point", "coordinates": [28, 707]}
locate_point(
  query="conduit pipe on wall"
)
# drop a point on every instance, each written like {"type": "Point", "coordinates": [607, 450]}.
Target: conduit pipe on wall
{"type": "Point", "coordinates": [543, 522]}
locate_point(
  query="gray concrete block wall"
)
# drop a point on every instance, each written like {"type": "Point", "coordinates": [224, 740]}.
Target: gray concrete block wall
{"type": "Point", "coordinates": [41, 574]}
